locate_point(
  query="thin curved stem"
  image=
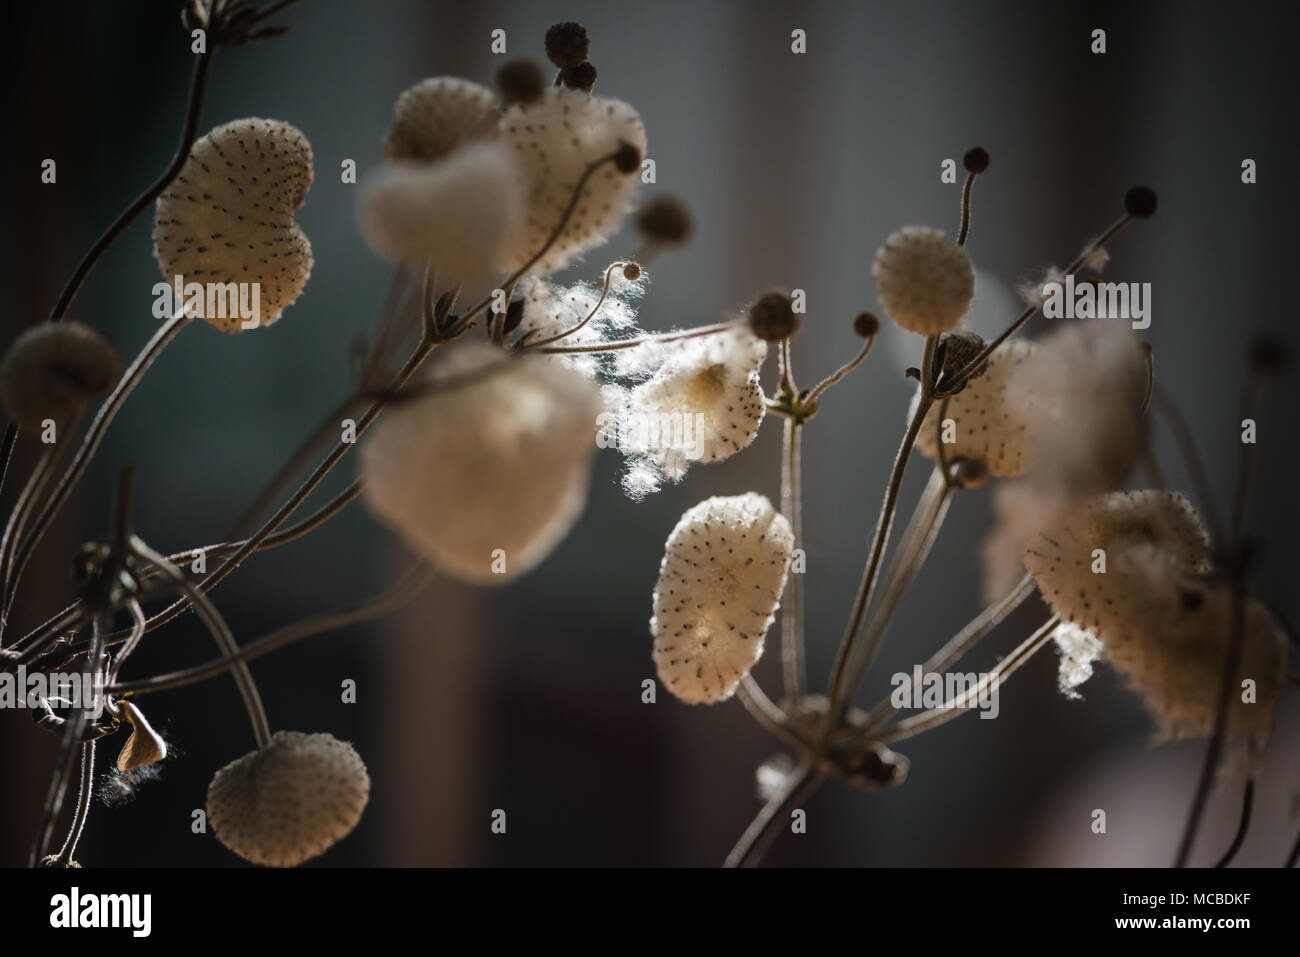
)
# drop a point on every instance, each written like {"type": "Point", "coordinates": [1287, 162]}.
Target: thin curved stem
{"type": "Point", "coordinates": [221, 633]}
{"type": "Point", "coordinates": [604, 292]}
{"type": "Point", "coordinates": [792, 634]}
{"type": "Point", "coordinates": [842, 371]}
{"type": "Point", "coordinates": [951, 384]}
{"type": "Point", "coordinates": [137, 633]}
{"type": "Point", "coordinates": [913, 548]}
{"type": "Point", "coordinates": [960, 643]}
{"type": "Point", "coordinates": [402, 591]}
{"type": "Point", "coordinates": [90, 443]}
{"type": "Point", "coordinates": [1243, 825]}
{"type": "Point", "coordinates": [766, 712]}
{"type": "Point", "coordinates": [640, 340]}
{"type": "Point", "coordinates": [928, 720]}
{"type": "Point", "coordinates": [293, 533]}
{"type": "Point", "coordinates": [66, 757]}
{"type": "Point", "coordinates": [22, 510]}
{"type": "Point", "coordinates": [871, 572]}
{"type": "Point", "coordinates": [84, 795]}
{"type": "Point", "coordinates": [963, 230]}
{"type": "Point", "coordinates": [762, 831]}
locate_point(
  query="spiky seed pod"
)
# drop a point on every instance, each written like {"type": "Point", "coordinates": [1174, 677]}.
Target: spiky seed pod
{"type": "Point", "coordinates": [485, 476]}
{"type": "Point", "coordinates": [456, 213]}
{"type": "Point", "coordinates": [145, 746]}
{"type": "Point", "coordinates": [924, 283]}
{"type": "Point", "coordinates": [987, 428]}
{"type": "Point", "coordinates": [1061, 556]}
{"type": "Point", "coordinates": [553, 141]}
{"type": "Point", "coordinates": [720, 582]}
{"type": "Point", "coordinates": [437, 115]}
{"type": "Point", "coordinates": [703, 403]}
{"type": "Point", "coordinates": [290, 801]}
{"type": "Point", "coordinates": [53, 369]}
{"type": "Point", "coordinates": [228, 215]}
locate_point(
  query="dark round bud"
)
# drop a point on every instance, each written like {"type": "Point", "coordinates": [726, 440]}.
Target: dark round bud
{"type": "Point", "coordinates": [520, 81]}
{"type": "Point", "coordinates": [567, 44]}
{"type": "Point", "coordinates": [772, 317]}
{"type": "Point", "coordinates": [581, 77]}
{"type": "Point", "coordinates": [866, 325]}
{"type": "Point", "coordinates": [52, 369]}
{"type": "Point", "coordinates": [665, 220]}
{"type": "Point", "coordinates": [631, 271]}
{"type": "Point", "coordinates": [1140, 202]}
{"type": "Point", "coordinates": [627, 159]}
{"type": "Point", "coordinates": [976, 160]}
{"type": "Point", "coordinates": [955, 351]}
{"type": "Point", "coordinates": [1269, 355]}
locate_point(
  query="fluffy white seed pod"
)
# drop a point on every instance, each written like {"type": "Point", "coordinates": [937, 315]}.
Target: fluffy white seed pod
{"type": "Point", "coordinates": [290, 801]}
{"type": "Point", "coordinates": [720, 583]}
{"type": "Point", "coordinates": [1174, 651]}
{"type": "Point", "coordinates": [1063, 555]}
{"type": "Point", "coordinates": [924, 283]}
{"type": "Point", "coordinates": [228, 215]}
{"type": "Point", "coordinates": [1081, 396]}
{"type": "Point", "coordinates": [456, 214]}
{"type": "Point", "coordinates": [987, 427]}
{"type": "Point", "coordinates": [553, 141]}
{"type": "Point", "coordinates": [53, 369]}
{"type": "Point", "coordinates": [549, 310]}
{"type": "Point", "coordinates": [438, 114]}
{"type": "Point", "coordinates": [485, 477]}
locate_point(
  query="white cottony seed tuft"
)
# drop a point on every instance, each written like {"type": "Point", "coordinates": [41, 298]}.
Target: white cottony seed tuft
{"type": "Point", "coordinates": [290, 801]}
{"type": "Point", "coordinates": [723, 571]}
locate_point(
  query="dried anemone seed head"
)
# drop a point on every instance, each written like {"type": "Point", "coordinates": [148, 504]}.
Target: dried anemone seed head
{"type": "Point", "coordinates": [987, 427]}
{"type": "Point", "coordinates": [489, 470]}
{"type": "Point", "coordinates": [705, 392]}
{"type": "Point", "coordinates": [552, 142]}
{"type": "Point", "coordinates": [437, 115]}
{"type": "Point", "coordinates": [720, 582]}
{"type": "Point", "coordinates": [290, 801]}
{"type": "Point", "coordinates": [1174, 654]}
{"type": "Point", "coordinates": [145, 746]}
{"type": "Point", "coordinates": [228, 215]}
{"type": "Point", "coordinates": [53, 369]}
{"type": "Point", "coordinates": [456, 213]}
{"type": "Point", "coordinates": [1062, 556]}
{"type": "Point", "coordinates": [924, 283]}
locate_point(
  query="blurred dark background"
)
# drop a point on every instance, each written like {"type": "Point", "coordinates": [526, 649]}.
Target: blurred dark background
{"type": "Point", "coordinates": [527, 698]}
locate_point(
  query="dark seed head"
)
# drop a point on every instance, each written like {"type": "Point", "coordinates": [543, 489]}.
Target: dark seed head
{"type": "Point", "coordinates": [665, 220]}
{"type": "Point", "coordinates": [520, 81]}
{"type": "Point", "coordinates": [567, 44]}
{"type": "Point", "coordinates": [976, 160]}
{"type": "Point", "coordinates": [52, 369]}
{"type": "Point", "coordinates": [1140, 201]}
{"type": "Point", "coordinates": [866, 325]}
{"type": "Point", "coordinates": [581, 77]}
{"type": "Point", "coordinates": [627, 159]}
{"type": "Point", "coordinates": [772, 316]}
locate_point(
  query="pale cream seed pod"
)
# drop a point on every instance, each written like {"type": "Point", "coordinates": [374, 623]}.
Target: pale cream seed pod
{"type": "Point", "coordinates": [488, 471]}
{"type": "Point", "coordinates": [437, 115]}
{"type": "Point", "coordinates": [720, 582]}
{"type": "Point", "coordinates": [289, 801]}
{"type": "Point", "coordinates": [228, 217]}
{"type": "Point", "coordinates": [924, 283]}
